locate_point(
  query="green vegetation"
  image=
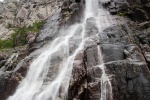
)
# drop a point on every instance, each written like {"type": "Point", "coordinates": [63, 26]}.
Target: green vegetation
{"type": "Point", "coordinates": [125, 13]}
{"type": "Point", "coordinates": [18, 38]}
{"type": "Point", "coordinates": [6, 43]}
{"type": "Point", "coordinates": [1, 17]}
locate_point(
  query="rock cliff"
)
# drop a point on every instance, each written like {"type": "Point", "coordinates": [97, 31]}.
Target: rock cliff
{"type": "Point", "coordinates": [125, 46]}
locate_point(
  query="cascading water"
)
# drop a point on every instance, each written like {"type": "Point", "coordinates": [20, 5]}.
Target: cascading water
{"type": "Point", "coordinates": [106, 88]}
{"type": "Point", "coordinates": [49, 74]}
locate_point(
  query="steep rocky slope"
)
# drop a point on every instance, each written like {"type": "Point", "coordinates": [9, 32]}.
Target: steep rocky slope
{"type": "Point", "coordinates": [125, 46]}
{"type": "Point", "coordinates": [126, 52]}
{"type": "Point", "coordinates": [14, 61]}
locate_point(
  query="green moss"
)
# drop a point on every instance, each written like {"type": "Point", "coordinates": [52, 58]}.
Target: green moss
{"type": "Point", "coordinates": [18, 38]}
{"type": "Point", "coordinates": [36, 26]}
{"type": "Point", "coordinates": [125, 13]}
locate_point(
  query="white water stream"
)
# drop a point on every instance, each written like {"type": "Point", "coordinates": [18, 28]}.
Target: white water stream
{"type": "Point", "coordinates": [49, 75]}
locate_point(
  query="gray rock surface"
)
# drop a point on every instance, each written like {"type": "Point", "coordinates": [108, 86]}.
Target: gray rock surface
{"type": "Point", "coordinates": [125, 48]}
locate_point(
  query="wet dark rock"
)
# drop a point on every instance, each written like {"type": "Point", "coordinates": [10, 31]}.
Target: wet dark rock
{"type": "Point", "coordinates": [143, 25]}
{"type": "Point", "coordinates": [139, 15]}
{"type": "Point", "coordinates": [85, 82]}
{"type": "Point", "coordinates": [12, 72]}
{"type": "Point", "coordinates": [137, 10]}
{"type": "Point", "coordinates": [4, 77]}
{"type": "Point", "coordinates": [131, 80]}
{"type": "Point", "coordinates": [146, 52]}
{"type": "Point", "coordinates": [91, 27]}
{"type": "Point", "coordinates": [92, 56]}
{"type": "Point", "coordinates": [78, 80]}
{"type": "Point", "coordinates": [13, 79]}
{"type": "Point", "coordinates": [116, 34]}
{"type": "Point", "coordinates": [72, 11]}
{"type": "Point", "coordinates": [50, 28]}
{"type": "Point", "coordinates": [113, 52]}
{"type": "Point", "coordinates": [144, 36]}
{"type": "Point", "coordinates": [126, 62]}
{"type": "Point", "coordinates": [131, 76]}
{"type": "Point", "coordinates": [78, 1]}
{"type": "Point", "coordinates": [94, 91]}
{"type": "Point", "coordinates": [2, 58]}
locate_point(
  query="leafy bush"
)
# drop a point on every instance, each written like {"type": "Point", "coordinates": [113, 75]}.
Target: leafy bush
{"type": "Point", "coordinates": [18, 38]}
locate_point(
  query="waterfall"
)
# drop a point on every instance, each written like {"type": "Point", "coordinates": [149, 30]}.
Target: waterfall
{"type": "Point", "coordinates": [49, 74]}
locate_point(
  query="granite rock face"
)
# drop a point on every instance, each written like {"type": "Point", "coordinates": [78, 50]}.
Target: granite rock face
{"type": "Point", "coordinates": [125, 49]}
{"type": "Point", "coordinates": [131, 72]}
{"type": "Point", "coordinates": [137, 10]}
{"type": "Point", "coordinates": [24, 13]}
{"type": "Point", "coordinates": [125, 61]}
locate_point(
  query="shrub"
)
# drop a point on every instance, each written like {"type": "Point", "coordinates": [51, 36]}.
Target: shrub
{"type": "Point", "coordinates": [6, 43]}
